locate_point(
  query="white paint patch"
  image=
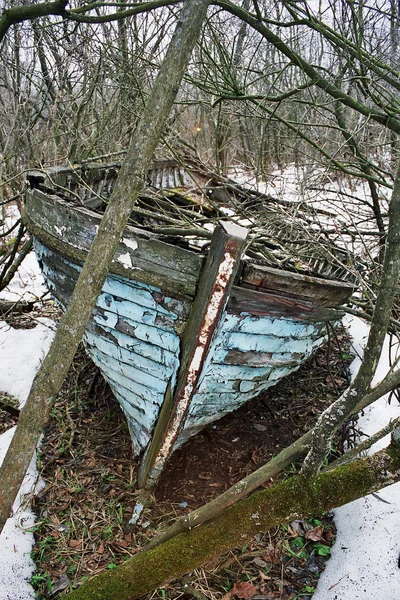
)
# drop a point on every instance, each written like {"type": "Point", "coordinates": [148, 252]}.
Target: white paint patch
{"type": "Point", "coordinates": [132, 244]}
{"type": "Point", "coordinates": [60, 230]}
{"type": "Point", "coordinates": [125, 260]}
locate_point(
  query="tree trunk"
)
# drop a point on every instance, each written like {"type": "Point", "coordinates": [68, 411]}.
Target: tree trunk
{"type": "Point", "coordinates": [294, 498]}
{"type": "Point", "coordinates": [331, 418]}
{"type": "Point", "coordinates": [54, 368]}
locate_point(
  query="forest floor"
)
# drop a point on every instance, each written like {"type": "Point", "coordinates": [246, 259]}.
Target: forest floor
{"type": "Point", "coordinates": [90, 485]}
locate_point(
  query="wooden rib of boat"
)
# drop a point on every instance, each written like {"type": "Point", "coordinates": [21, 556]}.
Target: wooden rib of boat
{"type": "Point", "coordinates": [183, 332]}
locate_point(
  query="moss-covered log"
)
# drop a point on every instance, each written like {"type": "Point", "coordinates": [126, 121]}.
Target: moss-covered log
{"type": "Point", "coordinates": [294, 498]}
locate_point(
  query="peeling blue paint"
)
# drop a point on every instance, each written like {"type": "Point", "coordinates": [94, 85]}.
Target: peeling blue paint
{"type": "Point", "coordinates": [132, 337]}
{"type": "Point", "coordinates": [224, 387]}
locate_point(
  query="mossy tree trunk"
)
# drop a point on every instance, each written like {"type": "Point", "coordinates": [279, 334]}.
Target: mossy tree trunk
{"type": "Point", "coordinates": [27, 12]}
{"type": "Point", "coordinates": [54, 368]}
{"type": "Point", "coordinates": [291, 499]}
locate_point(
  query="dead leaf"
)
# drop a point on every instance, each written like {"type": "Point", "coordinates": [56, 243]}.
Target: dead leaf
{"type": "Point", "coordinates": [54, 519]}
{"type": "Point", "coordinates": [293, 533]}
{"type": "Point", "coordinates": [259, 562]}
{"type": "Point", "coordinates": [255, 455]}
{"type": "Point", "coordinates": [272, 555]}
{"type": "Point", "coordinates": [75, 544]}
{"type": "Point", "coordinates": [128, 537]}
{"type": "Point", "coordinates": [243, 589]}
{"type": "Point", "coordinates": [122, 543]}
{"type": "Point", "coordinates": [329, 536]}
{"type": "Point", "coordinates": [316, 534]}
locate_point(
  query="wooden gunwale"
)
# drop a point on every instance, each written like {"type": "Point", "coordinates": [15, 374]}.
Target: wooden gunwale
{"type": "Point", "coordinates": [264, 303]}
{"type": "Point", "coordinates": [70, 229]}
{"type": "Point", "coordinates": [327, 292]}
{"type": "Point", "coordinates": [262, 289]}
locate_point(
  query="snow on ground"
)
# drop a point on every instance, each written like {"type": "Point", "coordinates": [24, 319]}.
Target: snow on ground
{"type": "Point", "coordinates": [16, 539]}
{"type": "Point", "coordinates": [21, 351]}
{"type": "Point", "coordinates": [27, 284]}
{"type": "Point", "coordinates": [364, 563]}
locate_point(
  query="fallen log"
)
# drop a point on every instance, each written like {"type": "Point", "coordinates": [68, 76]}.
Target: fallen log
{"type": "Point", "coordinates": [297, 497]}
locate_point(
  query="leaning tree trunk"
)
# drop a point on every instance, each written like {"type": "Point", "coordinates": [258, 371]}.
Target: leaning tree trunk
{"type": "Point", "coordinates": [54, 368]}
{"type": "Point", "coordinates": [332, 417]}
{"type": "Point", "coordinates": [291, 499]}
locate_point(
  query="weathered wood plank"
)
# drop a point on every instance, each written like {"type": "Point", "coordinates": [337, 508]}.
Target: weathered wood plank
{"type": "Point", "coordinates": [324, 292]}
{"type": "Point", "coordinates": [71, 229]}
{"type": "Point", "coordinates": [145, 361]}
{"type": "Point", "coordinates": [135, 346]}
{"type": "Point", "coordinates": [140, 396]}
{"type": "Point", "coordinates": [270, 325]}
{"type": "Point", "coordinates": [139, 321]}
{"type": "Point", "coordinates": [129, 371]}
{"type": "Point", "coordinates": [213, 291]}
{"type": "Point", "coordinates": [258, 359]}
{"type": "Point", "coordinates": [269, 343]}
{"type": "Point", "coordinates": [264, 303]}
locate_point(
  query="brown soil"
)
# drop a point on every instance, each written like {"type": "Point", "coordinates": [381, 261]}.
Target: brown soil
{"type": "Point", "coordinates": [90, 476]}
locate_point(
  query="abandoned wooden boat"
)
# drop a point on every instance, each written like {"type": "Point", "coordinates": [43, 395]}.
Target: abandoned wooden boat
{"type": "Point", "coordinates": [184, 330]}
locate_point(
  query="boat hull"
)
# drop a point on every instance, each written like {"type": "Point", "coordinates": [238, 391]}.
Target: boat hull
{"type": "Point", "coordinates": [134, 338]}
{"type": "Point", "coordinates": [187, 327]}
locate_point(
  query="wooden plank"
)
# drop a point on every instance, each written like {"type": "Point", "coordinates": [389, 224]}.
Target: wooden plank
{"type": "Point", "coordinates": [213, 291]}
{"type": "Point", "coordinates": [137, 347]}
{"type": "Point", "coordinates": [175, 310]}
{"type": "Point", "coordinates": [320, 291]}
{"type": "Point", "coordinates": [263, 303]}
{"type": "Point", "coordinates": [270, 325]}
{"type": "Point", "coordinates": [70, 230]}
{"type": "Point", "coordinates": [134, 324]}
{"type": "Point", "coordinates": [260, 359]}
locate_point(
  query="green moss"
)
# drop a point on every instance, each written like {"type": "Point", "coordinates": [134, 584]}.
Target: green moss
{"type": "Point", "coordinates": [298, 496]}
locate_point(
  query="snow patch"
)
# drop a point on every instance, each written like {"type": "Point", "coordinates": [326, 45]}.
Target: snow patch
{"type": "Point", "coordinates": [21, 352]}
{"type": "Point", "coordinates": [364, 560]}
